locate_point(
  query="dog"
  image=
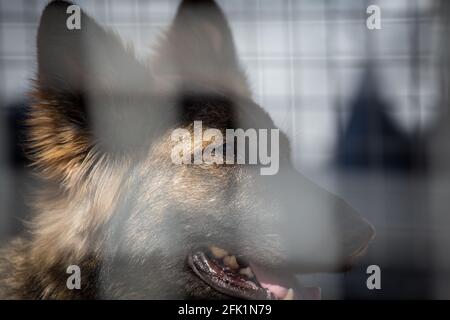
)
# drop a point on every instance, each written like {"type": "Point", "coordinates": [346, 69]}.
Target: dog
{"type": "Point", "coordinates": [137, 225]}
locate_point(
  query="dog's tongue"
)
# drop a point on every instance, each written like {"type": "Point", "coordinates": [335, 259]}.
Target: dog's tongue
{"type": "Point", "coordinates": [282, 291]}
{"type": "Point", "coordinates": [279, 291]}
{"type": "Point", "coordinates": [300, 293]}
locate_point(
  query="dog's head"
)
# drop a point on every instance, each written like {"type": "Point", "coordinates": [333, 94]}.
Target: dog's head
{"type": "Point", "coordinates": [102, 129]}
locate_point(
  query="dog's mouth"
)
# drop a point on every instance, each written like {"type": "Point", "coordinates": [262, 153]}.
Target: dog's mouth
{"type": "Point", "coordinates": [233, 276]}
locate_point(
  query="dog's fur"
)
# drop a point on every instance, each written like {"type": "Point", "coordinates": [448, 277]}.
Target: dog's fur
{"type": "Point", "coordinates": [114, 203]}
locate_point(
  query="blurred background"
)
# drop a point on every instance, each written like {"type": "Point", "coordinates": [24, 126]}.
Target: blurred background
{"type": "Point", "coordinates": [366, 111]}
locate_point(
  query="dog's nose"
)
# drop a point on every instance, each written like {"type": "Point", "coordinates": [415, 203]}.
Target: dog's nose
{"type": "Point", "coordinates": [355, 232]}
{"type": "Point", "coordinates": [367, 234]}
{"type": "Point", "coordinates": [357, 236]}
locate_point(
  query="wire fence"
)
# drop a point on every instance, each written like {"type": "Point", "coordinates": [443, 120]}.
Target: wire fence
{"type": "Point", "coordinates": [305, 59]}
{"type": "Point", "coordinates": [309, 62]}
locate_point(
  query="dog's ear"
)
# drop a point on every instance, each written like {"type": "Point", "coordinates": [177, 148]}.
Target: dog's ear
{"type": "Point", "coordinates": [88, 58]}
{"type": "Point", "coordinates": [91, 93]}
{"type": "Point", "coordinates": [199, 45]}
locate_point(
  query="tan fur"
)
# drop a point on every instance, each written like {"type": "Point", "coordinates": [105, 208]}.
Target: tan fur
{"type": "Point", "coordinates": [56, 147]}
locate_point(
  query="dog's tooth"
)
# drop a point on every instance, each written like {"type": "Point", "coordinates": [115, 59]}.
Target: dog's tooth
{"type": "Point", "coordinates": [219, 253]}
{"type": "Point", "coordinates": [247, 272]}
{"type": "Point", "coordinates": [230, 261]}
{"type": "Point", "coordinates": [289, 295]}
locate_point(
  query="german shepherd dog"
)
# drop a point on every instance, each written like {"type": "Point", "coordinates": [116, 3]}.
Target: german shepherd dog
{"type": "Point", "coordinates": [138, 225]}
